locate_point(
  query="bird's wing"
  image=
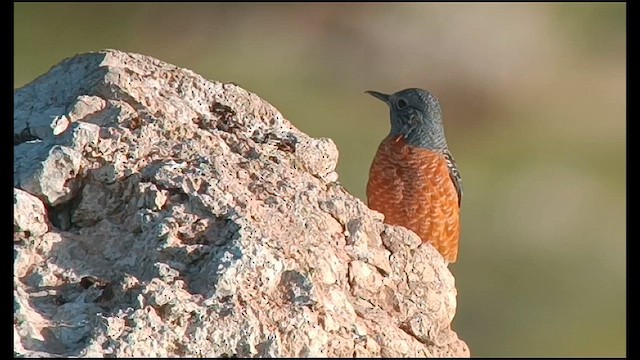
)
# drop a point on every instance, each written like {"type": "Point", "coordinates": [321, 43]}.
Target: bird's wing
{"type": "Point", "coordinates": [454, 174]}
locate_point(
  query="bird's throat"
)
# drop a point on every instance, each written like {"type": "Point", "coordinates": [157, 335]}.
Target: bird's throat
{"type": "Point", "coordinates": [431, 139]}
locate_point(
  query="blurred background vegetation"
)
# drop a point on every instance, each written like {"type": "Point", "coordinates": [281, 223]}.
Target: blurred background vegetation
{"type": "Point", "coordinates": [534, 99]}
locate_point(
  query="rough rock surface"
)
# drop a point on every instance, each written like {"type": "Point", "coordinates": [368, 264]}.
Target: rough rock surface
{"type": "Point", "coordinates": [161, 214]}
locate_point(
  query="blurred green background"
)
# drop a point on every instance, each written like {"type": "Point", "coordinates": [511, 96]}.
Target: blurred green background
{"type": "Point", "coordinates": [534, 99]}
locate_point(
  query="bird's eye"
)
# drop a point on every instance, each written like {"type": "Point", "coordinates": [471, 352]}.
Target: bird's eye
{"type": "Point", "coordinates": [401, 103]}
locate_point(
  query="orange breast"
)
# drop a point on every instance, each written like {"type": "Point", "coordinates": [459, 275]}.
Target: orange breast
{"type": "Point", "coordinates": [412, 188]}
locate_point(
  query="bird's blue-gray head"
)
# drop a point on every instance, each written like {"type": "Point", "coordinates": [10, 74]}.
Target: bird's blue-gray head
{"type": "Point", "coordinates": [415, 116]}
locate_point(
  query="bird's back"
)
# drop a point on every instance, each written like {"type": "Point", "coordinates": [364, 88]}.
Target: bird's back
{"type": "Point", "coordinates": [413, 188]}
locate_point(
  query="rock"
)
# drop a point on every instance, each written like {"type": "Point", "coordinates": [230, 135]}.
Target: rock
{"type": "Point", "coordinates": [49, 173]}
{"type": "Point", "coordinates": [29, 218]}
{"type": "Point", "coordinates": [189, 218]}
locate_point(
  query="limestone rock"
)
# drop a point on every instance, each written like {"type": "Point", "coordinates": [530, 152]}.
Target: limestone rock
{"type": "Point", "coordinates": [189, 218]}
{"type": "Point", "coordinates": [29, 218]}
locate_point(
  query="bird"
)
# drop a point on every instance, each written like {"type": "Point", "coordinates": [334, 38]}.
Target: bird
{"type": "Point", "coordinates": [414, 180]}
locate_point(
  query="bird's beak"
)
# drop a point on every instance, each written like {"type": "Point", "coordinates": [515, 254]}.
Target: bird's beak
{"type": "Point", "coordinates": [381, 96]}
